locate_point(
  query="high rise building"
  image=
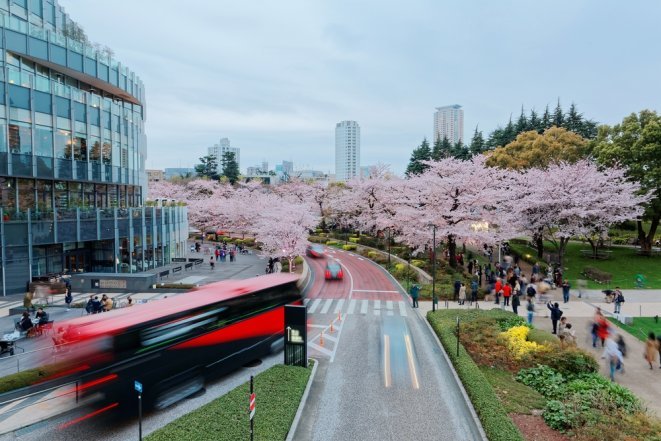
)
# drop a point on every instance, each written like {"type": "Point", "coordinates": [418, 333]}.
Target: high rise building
{"type": "Point", "coordinates": [449, 123]}
{"type": "Point", "coordinates": [72, 159]}
{"type": "Point", "coordinates": [219, 149]}
{"type": "Point", "coordinates": [347, 150]}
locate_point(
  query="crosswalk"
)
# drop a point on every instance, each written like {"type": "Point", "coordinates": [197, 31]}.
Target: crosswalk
{"type": "Point", "coordinates": [355, 306]}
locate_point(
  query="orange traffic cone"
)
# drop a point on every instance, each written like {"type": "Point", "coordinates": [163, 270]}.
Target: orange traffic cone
{"type": "Point", "coordinates": [321, 339]}
{"type": "Point", "coordinates": [339, 317]}
{"type": "Point", "coordinates": [331, 328]}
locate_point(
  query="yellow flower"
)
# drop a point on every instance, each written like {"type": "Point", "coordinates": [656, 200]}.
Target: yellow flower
{"type": "Point", "coordinates": [517, 343]}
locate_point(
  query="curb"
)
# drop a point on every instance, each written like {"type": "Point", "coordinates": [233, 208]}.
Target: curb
{"type": "Point", "coordinates": [301, 405]}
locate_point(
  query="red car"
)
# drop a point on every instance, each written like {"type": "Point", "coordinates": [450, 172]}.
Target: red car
{"type": "Point", "coordinates": [315, 251]}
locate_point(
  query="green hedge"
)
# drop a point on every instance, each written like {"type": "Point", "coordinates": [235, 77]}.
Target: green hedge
{"type": "Point", "coordinates": [497, 425]}
{"type": "Point", "coordinates": [278, 392]}
{"type": "Point", "coordinates": [29, 376]}
{"type": "Point", "coordinates": [349, 247]}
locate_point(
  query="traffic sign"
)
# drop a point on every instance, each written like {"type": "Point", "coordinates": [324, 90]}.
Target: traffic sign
{"type": "Point", "coordinates": [138, 386]}
{"type": "Point", "coordinates": [252, 405]}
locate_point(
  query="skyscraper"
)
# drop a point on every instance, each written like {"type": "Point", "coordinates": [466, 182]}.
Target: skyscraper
{"type": "Point", "coordinates": [347, 150]}
{"type": "Point", "coordinates": [221, 148]}
{"type": "Point", "coordinates": [449, 123]}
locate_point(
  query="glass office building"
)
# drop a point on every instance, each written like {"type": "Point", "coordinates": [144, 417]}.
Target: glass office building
{"type": "Point", "coordinates": [72, 155]}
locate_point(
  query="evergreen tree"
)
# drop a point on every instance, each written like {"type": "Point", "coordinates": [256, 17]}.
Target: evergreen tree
{"type": "Point", "coordinates": [421, 153]}
{"type": "Point", "coordinates": [546, 119]}
{"type": "Point", "coordinates": [446, 148]}
{"type": "Point", "coordinates": [574, 120]}
{"type": "Point", "coordinates": [436, 152]}
{"type": "Point", "coordinates": [208, 167]}
{"type": "Point", "coordinates": [534, 122]}
{"type": "Point", "coordinates": [509, 133]}
{"type": "Point", "coordinates": [558, 117]}
{"type": "Point", "coordinates": [460, 151]}
{"type": "Point", "coordinates": [477, 143]}
{"type": "Point", "coordinates": [230, 167]}
{"type": "Point", "coordinates": [522, 124]}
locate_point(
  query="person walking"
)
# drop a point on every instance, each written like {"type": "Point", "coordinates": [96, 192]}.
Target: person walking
{"type": "Point", "coordinates": [211, 262]}
{"type": "Point", "coordinates": [498, 288]}
{"type": "Point", "coordinates": [462, 294]}
{"type": "Point", "coordinates": [651, 349]}
{"type": "Point", "coordinates": [614, 357]}
{"type": "Point", "coordinates": [68, 298]}
{"type": "Point", "coordinates": [531, 310]}
{"type": "Point", "coordinates": [556, 313]}
{"type": "Point", "coordinates": [619, 299]}
{"type": "Point", "coordinates": [474, 287]}
{"type": "Point", "coordinates": [457, 286]}
{"type": "Point", "coordinates": [415, 292]}
{"type": "Point", "coordinates": [507, 293]}
{"type": "Point", "coordinates": [516, 302]}
{"type": "Point", "coordinates": [565, 290]}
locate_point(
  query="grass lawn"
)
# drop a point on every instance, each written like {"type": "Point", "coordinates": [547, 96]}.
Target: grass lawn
{"type": "Point", "coordinates": [515, 397]}
{"type": "Point", "coordinates": [278, 392]}
{"type": "Point", "coordinates": [641, 327]}
{"type": "Point", "coordinates": [623, 264]}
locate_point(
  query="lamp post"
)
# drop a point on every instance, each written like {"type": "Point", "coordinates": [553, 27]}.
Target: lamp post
{"type": "Point", "coordinates": [389, 233]}
{"type": "Point", "coordinates": [408, 274]}
{"type": "Point", "coordinates": [433, 270]}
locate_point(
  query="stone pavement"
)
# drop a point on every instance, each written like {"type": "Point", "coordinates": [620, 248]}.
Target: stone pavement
{"type": "Point", "coordinates": [638, 377]}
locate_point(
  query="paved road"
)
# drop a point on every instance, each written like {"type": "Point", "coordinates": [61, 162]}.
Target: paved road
{"type": "Point", "coordinates": [381, 375]}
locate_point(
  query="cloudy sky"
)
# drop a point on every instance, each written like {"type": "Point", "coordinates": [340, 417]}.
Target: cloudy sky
{"type": "Point", "coordinates": [275, 76]}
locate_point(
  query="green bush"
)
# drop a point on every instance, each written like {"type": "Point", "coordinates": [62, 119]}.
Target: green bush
{"type": "Point", "coordinates": [418, 263]}
{"type": "Point", "coordinates": [511, 321]}
{"type": "Point", "coordinates": [570, 362]}
{"type": "Point", "coordinates": [349, 247]}
{"type": "Point", "coordinates": [403, 272]}
{"type": "Point", "coordinates": [354, 239]}
{"type": "Point", "coordinates": [545, 380]}
{"type": "Point", "coordinates": [497, 425]}
{"type": "Point", "coordinates": [298, 260]}
{"type": "Point", "coordinates": [332, 242]}
{"type": "Point", "coordinates": [559, 416]}
{"type": "Point", "coordinates": [542, 337]}
{"type": "Point", "coordinates": [278, 390]}
{"type": "Point", "coordinates": [614, 396]}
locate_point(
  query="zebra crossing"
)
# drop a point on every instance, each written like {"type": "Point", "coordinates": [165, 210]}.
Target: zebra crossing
{"type": "Point", "coordinates": [356, 307]}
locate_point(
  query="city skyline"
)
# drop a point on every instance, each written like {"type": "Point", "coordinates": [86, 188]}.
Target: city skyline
{"type": "Point", "coordinates": [383, 66]}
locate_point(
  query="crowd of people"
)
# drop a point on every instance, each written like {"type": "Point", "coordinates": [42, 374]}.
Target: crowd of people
{"type": "Point", "coordinates": [220, 253]}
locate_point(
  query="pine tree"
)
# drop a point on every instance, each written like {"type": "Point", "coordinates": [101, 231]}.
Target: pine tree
{"type": "Point", "coordinates": [477, 143]}
{"type": "Point", "coordinates": [558, 117]}
{"type": "Point", "coordinates": [446, 148]}
{"type": "Point", "coordinates": [546, 119]}
{"type": "Point", "coordinates": [522, 125]}
{"type": "Point", "coordinates": [534, 122]}
{"type": "Point", "coordinates": [460, 151]}
{"type": "Point", "coordinates": [421, 153]}
{"type": "Point", "coordinates": [436, 152]}
{"type": "Point", "coordinates": [207, 168]}
{"type": "Point", "coordinates": [509, 134]}
{"type": "Point", "coordinates": [574, 120]}
{"type": "Point", "coordinates": [230, 167]}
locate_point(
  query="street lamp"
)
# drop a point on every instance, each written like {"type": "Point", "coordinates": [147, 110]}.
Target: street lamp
{"type": "Point", "coordinates": [433, 269]}
{"type": "Point", "coordinates": [389, 233]}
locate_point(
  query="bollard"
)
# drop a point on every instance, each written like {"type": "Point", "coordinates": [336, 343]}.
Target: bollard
{"type": "Point", "coordinates": [331, 328]}
{"type": "Point", "coordinates": [339, 317]}
{"type": "Point", "coordinates": [321, 339]}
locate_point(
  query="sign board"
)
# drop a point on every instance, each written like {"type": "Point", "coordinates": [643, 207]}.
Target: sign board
{"type": "Point", "coordinates": [137, 386]}
{"type": "Point", "coordinates": [252, 405]}
{"type": "Point", "coordinates": [296, 336]}
{"type": "Point", "coordinates": [112, 284]}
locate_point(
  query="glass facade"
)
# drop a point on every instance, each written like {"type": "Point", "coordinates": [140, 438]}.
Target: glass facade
{"type": "Point", "coordinates": [72, 155]}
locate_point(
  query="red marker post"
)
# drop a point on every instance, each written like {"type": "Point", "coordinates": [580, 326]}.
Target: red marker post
{"type": "Point", "coordinates": [251, 409]}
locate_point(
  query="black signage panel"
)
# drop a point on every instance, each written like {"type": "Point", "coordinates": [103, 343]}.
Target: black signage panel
{"type": "Point", "coordinates": [296, 336]}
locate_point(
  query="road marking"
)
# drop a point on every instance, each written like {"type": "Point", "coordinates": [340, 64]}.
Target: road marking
{"type": "Point", "coordinates": [360, 258]}
{"type": "Point", "coordinates": [373, 290]}
{"type": "Point", "coordinates": [388, 304]}
{"type": "Point", "coordinates": [330, 338]}
{"type": "Point", "coordinates": [306, 301]}
{"type": "Point", "coordinates": [326, 307]}
{"type": "Point", "coordinates": [314, 306]}
{"type": "Point", "coordinates": [391, 312]}
{"type": "Point", "coordinates": [338, 307]}
{"type": "Point", "coordinates": [377, 312]}
{"type": "Point", "coordinates": [402, 309]}
{"type": "Point", "coordinates": [363, 306]}
{"type": "Point", "coordinates": [317, 326]}
{"type": "Point", "coordinates": [386, 361]}
{"type": "Point", "coordinates": [409, 355]}
{"type": "Point", "coordinates": [352, 306]}
{"type": "Point", "coordinates": [377, 304]}
{"type": "Point", "coordinates": [320, 349]}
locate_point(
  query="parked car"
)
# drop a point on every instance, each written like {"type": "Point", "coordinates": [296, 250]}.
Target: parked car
{"type": "Point", "coordinates": [333, 271]}
{"type": "Point", "coordinates": [315, 251]}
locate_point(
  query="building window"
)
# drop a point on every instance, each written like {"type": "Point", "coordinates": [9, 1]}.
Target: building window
{"type": "Point", "coordinates": [20, 138]}
{"type": "Point", "coordinates": [44, 141]}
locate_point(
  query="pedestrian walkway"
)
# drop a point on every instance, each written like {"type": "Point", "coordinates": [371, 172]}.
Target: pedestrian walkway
{"type": "Point", "coordinates": [356, 307]}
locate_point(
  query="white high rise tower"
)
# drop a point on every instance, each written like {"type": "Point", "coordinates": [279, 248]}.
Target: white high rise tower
{"type": "Point", "coordinates": [347, 150]}
{"type": "Point", "coordinates": [449, 123]}
{"type": "Point", "coordinates": [219, 149]}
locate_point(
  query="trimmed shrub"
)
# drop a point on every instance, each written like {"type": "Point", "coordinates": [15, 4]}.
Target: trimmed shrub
{"type": "Point", "coordinates": [403, 272]}
{"type": "Point", "coordinates": [570, 362]}
{"type": "Point", "coordinates": [298, 260]}
{"type": "Point", "coordinates": [542, 337]}
{"type": "Point", "coordinates": [354, 239]}
{"type": "Point", "coordinates": [418, 263]}
{"type": "Point", "coordinates": [349, 247]}
{"type": "Point", "coordinates": [331, 242]}
{"type": "Point", "coordinates": [545, 380]}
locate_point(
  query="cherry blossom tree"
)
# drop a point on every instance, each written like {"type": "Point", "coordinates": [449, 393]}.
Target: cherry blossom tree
{"type": "Point", "coordinates": [578, 200]}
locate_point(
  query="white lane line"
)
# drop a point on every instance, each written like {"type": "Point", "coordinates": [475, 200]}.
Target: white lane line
{"type": "Point", "coordinates": [352, 306]}
{"type": "Point", "coordinates": [373, 290]}
{"type": "Point", "coordinates": [338, 307]}
{"type": "Point", "coordinates": [10, 406]}
{"type": "Point", "coordinates": [363, 306]}
{"type": "Point", "coordinates": [360, 258]}
{"type": "Point", "coordinates": [391, 313]}
{"type": "Point", "coordinates": [314, 306]}
{"type": "Point", "coordinates": [330, 338]}
{"type": "Point", "coordinates": [377, 312]}
{"type": "Point", "coordinates": [306, 301]}
{"type": "Point", "coordinates": [388, 304]}
{"type": "Point", "coordinates": [326, 307]}
{"type": "Point", "coordinates": [402, 309]}
{"type": "Point", "coordinates": [377, 304]}
{"type": "Point", "coordinates": [320, 349]}
{"type": "Point", "coordinates": [317, 326]}
{"type": "Point", "coordinates": [409, 355]}
{"type": "Point", "coordinates": [386, 361]}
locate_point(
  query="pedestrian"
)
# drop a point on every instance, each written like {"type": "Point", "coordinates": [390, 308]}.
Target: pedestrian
{"type": "Point", "coordinates": [498, 288]}
{"type": "Point", "coordinates": [415, 292]}
{"type": "Point", "coordinates": [531, 310]}
{"type": "Point", "coordinates": [568, 336]}
{"type": "Point", "coordinates": [658, 339]}
{"type": "Point", "coordinates": [462, 294]}
{"type": "Point", "coordinates": [565, 290]}
{"type": "Point", "coordinates": [614, 357]}
{"type": "Point", "coordinates": [474, 287]}
{"type": "Point", "coordinates": [556, 313]}
{"type": "Point", "coordinates": [217, 253]}
{"type": "Point", "coordinates": [516, 302]}
{"type": "Point", "coordinates": [68, 298]}
{"type": "Point", "coordinates": [619, 299]}
{"type": "Point", "coordinates": [600, 329]}
{"type": "Point", "coordinates": [507, 293]}
{"type": "Point", "coordinates": [651, 349]}
{"type": "Point", "coordinates": [211, 262]}
{"type": "Point", "coordinates": [457, 286]}
{"type": "Point", "coordinates": [535, 269]}
{"type": "Point", "coordinates": [89, 306]}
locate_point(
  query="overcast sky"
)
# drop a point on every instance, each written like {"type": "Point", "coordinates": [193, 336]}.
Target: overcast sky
{"type": "Point", "coordinates": [275, 76]}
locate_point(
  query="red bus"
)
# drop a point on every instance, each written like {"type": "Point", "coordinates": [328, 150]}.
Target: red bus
{"type": "Point", "coordinates": [172, 346]}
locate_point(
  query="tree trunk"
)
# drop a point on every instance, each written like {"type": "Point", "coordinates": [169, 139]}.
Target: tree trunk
{"type": "Point", "coordinates": [646, 240]}
{"type": "Point", "coordinates": [539, 244]}
{"type": "Point", "coordinates": [452, 249]}
{"type": "Point", "coordinates": [594, 246]}
{"type": "Point", "coordinates": [561, 252]}
{"type": "Point", "coordinates": [291, 264]}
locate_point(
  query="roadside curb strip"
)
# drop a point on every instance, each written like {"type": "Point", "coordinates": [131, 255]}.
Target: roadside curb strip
{"type": "Point", "coordinates": [301, 405]}
{"type": "Point", "coordinates": [469, 403]}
